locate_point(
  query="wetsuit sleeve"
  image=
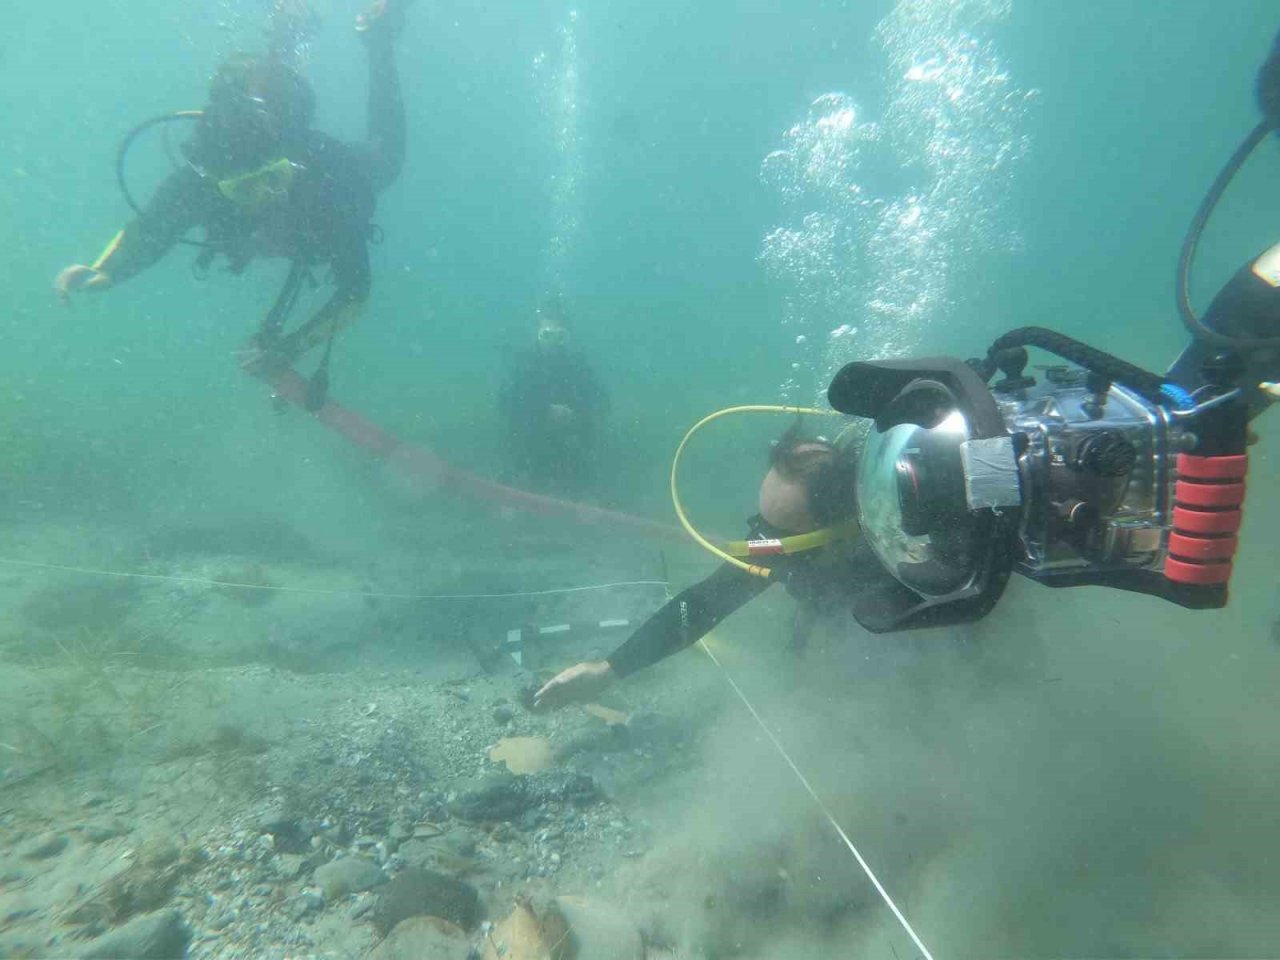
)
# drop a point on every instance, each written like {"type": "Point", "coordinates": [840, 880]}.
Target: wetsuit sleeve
{"type": "Point", "coordinates": [686, 618]}
{"type": "Point", "coordinates": [386, 124]}
{"type": "Point", "coordinates": [178, 205]}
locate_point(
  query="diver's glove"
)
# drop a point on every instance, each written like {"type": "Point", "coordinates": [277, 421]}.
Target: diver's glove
{"type": "Point", "coordinates": [1268, 88]}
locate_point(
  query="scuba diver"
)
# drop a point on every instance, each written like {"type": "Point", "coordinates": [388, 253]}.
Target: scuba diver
{"type": "Point", "coordinates": [804, 525]}
{"type": "Point", "coordinates": [261, 182]}
{"type": "Point", "coordinates": [554, 407]}
{"type": "Point", "coordinates": [1135, 481]}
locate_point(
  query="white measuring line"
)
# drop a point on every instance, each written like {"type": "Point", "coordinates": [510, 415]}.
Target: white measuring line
{"type": "Point", "coordinates": [884, 894]}
{"type": "Point", "coordinates": [91, 571]}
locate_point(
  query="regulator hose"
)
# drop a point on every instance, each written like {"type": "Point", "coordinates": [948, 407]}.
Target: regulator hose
{"type": "Point", "coordinates": [752, 568]}
{"type": "Point", "coordinates": [1187, 258]}
{"type": "Point", "coordinates": [122, 155]}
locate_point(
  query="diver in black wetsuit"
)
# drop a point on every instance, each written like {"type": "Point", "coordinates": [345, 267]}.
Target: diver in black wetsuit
{"type": "Point", "coordinates": [1268, 85]}
{"type": "Point", "coordinates": [554, 406]}
{"type": "Point", "coordinates": [262, 183]}
{"type": "Point", "coordinates": [809, 485]}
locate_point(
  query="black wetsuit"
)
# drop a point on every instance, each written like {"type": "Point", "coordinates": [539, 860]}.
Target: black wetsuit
{"type": "Point", "coordinates": [1268, 82]}
{"type": "Point", "coordinates": [323, 220]}
{"type": "Point", "coordinates": [824, 582]}
{"type": "Point", "coordinates": [550, 454]}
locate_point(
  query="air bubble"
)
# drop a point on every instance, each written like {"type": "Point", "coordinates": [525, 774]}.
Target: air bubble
{"type": "Point", "coordinates": [888, 248]}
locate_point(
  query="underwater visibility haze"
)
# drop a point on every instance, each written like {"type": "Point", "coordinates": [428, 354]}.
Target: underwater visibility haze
{"type": "Point", "coordinates": [279, 682]}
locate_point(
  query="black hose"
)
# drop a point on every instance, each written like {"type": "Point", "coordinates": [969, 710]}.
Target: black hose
{"type": "Point", "coordinates": [1141, 382]}
{"type": "Point", "coordinates": [1193, 323]}
{"type": "Point", "coordinates": [122, 154]}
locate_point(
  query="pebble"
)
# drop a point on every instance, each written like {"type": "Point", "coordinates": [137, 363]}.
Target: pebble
{"type": "Point", "coordinates": [102, 832]}
{"type": "Point", "coordinates": [159, 851]}
{"type": "Point", "coordinates": [460, 842]}
{"type": "Point", "coordinates": [348, 875]}
{"type": "Point", "coordinates": [263, 847]}
{"type": "Point", "coordinates": [163, 935]}
{"type": "Point", "coordinates": [418, 892]}
{"type": "Point", "coordinates": [494, 798]}
{"type": "Point", "coordinates": [307, 902]}
{"type": "Point", "coordinates": [44, 846]}
{"type": "Point", "coordinates": [289, 866]}
{"type": "Point", "coordinates": [420, 937]}
{"type": "Point", "coordinates": [220, 921]}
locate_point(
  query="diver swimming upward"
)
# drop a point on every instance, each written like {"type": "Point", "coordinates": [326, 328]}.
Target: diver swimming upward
{"type": "Point", "coordinates": [261, 182]}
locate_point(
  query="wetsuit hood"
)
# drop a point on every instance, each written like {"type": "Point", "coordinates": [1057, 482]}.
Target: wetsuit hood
{"type": "Point", "coordinates": [258, 107]}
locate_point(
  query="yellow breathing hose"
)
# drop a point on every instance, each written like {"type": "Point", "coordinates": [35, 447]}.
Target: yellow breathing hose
{"type": "Point", "coordinates": [751, 568]}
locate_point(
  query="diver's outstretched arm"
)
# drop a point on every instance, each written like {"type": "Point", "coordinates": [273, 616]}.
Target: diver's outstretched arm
{"type": "Point", "coordinates": [386, 123]}
{"type": "Point", "coordinates": [683, 620]}
{"type": "Point", "coordinates": [179, 204]}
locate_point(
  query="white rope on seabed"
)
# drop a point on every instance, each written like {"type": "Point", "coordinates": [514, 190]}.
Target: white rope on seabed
{"type": "Point", "coordinates": [804, 781]}
{"type": "Point", "coordinates": [317, 591]}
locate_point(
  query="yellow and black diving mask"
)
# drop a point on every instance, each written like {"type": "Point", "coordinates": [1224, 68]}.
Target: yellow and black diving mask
{"type": "Point", "coordinates": [266, 185]}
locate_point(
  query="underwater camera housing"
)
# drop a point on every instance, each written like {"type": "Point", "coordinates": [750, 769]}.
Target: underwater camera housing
{"type": "Point", "coordinates": [1097, 473]}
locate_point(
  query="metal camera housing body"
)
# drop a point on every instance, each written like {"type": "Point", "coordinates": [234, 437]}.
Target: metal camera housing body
{"type": "Point", "coordinates": [1097, 472]}
{"type": "Point", "coordinates": [1073, 480]}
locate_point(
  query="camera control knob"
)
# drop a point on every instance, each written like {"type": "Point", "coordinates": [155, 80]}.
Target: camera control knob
{"type": "Point", "coordinates": [1106, 454]}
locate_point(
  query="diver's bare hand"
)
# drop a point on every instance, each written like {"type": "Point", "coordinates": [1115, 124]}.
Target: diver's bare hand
{"type": "Point", "coordinates": [579, 683]}
{"type": "Point", "coordinates": [79, 277]}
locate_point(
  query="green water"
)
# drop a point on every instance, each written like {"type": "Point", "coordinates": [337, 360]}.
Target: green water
{"type": "Point", "coordinates": [1101, 783]}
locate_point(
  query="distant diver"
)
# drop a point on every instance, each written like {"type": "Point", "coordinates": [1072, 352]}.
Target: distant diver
{"type": "Point", "coordinates": [261, 182]}
{"type": "Point", "coordinates": [554, 407]}
{"type": "Point", "coordinates": [807, 495]}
